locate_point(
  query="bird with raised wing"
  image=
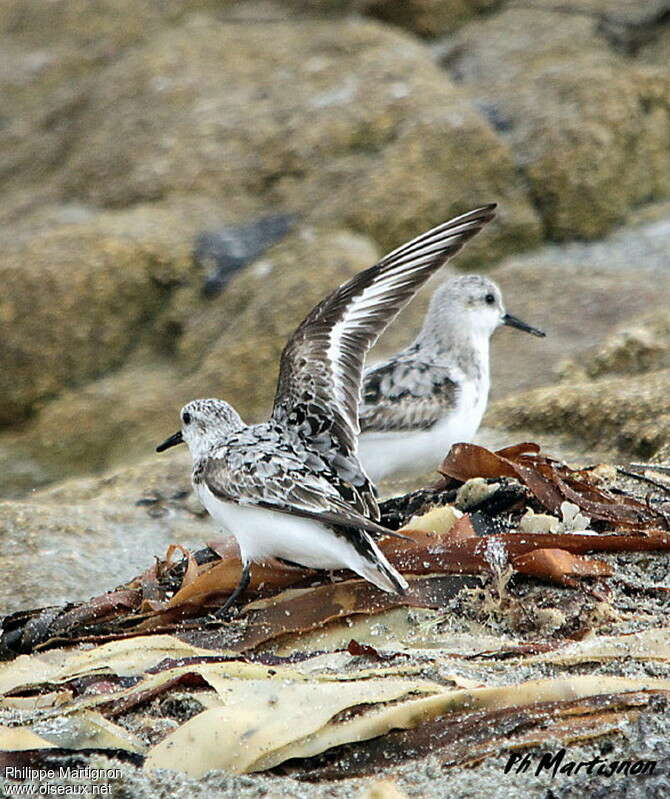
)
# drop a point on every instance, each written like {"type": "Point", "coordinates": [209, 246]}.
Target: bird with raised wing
{"type": "Point", "coordinates": [292, 488]}
{"type": "Point", "coordinates": [433, 394]}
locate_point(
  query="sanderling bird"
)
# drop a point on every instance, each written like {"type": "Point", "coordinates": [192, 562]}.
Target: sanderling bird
{"type": "Point", "coordinates": [292, 489]}
{"type": "Point", "coordinates": [433, 394]}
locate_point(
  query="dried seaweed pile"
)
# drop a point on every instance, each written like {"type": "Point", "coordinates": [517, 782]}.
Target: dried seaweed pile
{"type": "Point", "coordinates": [253, 694]}
{"type": "Point", "coordinates": [508, 489]}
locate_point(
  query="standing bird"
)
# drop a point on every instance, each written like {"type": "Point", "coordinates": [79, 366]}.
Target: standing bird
{"type": "Point", "coordinates": [292, 488]}
{"type": "Point", "coordinates": [432, 394]}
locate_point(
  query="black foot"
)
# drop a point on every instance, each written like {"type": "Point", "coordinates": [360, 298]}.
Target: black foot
{"type": "Point", "coordinates": [241, 587]}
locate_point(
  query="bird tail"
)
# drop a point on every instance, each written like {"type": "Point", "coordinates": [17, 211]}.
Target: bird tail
{"type": "Point", "coordinates": [376, 569]}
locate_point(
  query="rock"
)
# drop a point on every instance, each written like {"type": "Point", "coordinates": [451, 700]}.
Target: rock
{"type": "Point", "coordinates": [354, 126]}
{"type": "Point", "coordinates": [429, 18]}
{"type": "Point", "coordinates": [579, 293]}
{"type": "Point", "coordinates": [383, 789]}
{"type": "Point", "coordinates": [230, 347]}
{"type": "Point", "coordinates": [73, 304]}
{"type": "Point", "coordinates": [108, 25]}
{"type": "Point", "coordinates": [80, 299]}
{"type": "Point", "coordinates": [614, 11]}
{"type": "Point", "coordinates": [532, 522]}
{"type": "Point", "coordinates": [239, 337]}
{"type": "Point", "coordinates": [223, 252]}
{"type": "Point", "coordinates": [51, 55]}
{"type": "Point", "coordinates": [624, 414]}
{"type": "Point", "coordinates": [613, 394]}
{"type": "Point", "coordinates": [318, 8]}
{"type": "Point", "coordinates": [77, 299]}
{"type": "Point", "coordinates": [473, 492]}
{"type": "Point", "coordinates": [662, 454]}
{"type": "Point", "coordinates": [646, 437]}
{"type": "Point", "coordinates": [631, 350]}
{"type": "Point", "coordinates": [549, 619]}
{"type": "Point", "coordinates": [110, 422]}
{"type": "Point", "coordinates": [437, 520]}
{"type": "Point", "coordinates": [572, 304]}
{"type": "Point", "coordinates": [42, 91]}
{"type": "Point", "coordinates": [655, 47]}
{"type": "Point", "coordinates": [588, 127]}
{"type": "Point", "coordinates": [626, 26]}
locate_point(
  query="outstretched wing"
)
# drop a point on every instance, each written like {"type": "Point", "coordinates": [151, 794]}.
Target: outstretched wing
{"type": "Point", "coordinates": [320, 373]}
{"type": "Point", "coordinates": [404, 393]}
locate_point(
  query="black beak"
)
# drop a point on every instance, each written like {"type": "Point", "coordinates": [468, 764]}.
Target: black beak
{"type": "Point", "coordinates": [512, 321]}
{"type": "Point", "coordinates": [177, 438]}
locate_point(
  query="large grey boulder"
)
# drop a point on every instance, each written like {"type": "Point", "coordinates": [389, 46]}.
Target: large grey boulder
{"type": "Point", "coordinates": [588, 124]}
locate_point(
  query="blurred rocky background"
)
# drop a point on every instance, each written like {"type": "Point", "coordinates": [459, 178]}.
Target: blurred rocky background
{"type": "Point", "coordinates": [182, 180]}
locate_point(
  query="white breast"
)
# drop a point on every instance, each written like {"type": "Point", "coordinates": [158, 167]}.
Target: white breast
{"type": "Point", "coordinates": [413, 451]}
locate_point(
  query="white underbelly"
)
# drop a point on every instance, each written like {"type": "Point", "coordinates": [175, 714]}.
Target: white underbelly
{"type": "Point", "coordinates": [264, 534]}
{"type": "Point", "coordinates": [412, 451]}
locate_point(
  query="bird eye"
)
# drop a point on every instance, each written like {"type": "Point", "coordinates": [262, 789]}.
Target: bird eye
{"type": "Point", "coordinates": [490, 299]}
{"type": "Point", "coordinates": [186, 418]}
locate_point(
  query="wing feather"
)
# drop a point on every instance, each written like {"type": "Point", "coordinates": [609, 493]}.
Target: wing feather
{"type": "Point", "coordinates": [299, 493]}
{"type": "Point", "coordinates": [405, 393]}
{"type": "Point", "coordinates": [322, 364]}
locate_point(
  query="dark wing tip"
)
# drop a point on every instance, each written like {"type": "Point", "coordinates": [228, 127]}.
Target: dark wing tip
{"type": "Point", "coordinates": [475, 221]}
{"type": "Point", "coordinates": [482, 215]}
{"type": "Point", "coordinates": [444, 240]}
{"type": "Point", "coordinates": [404, 271]}
{"type": "Point", "coordinates": [487, 208]}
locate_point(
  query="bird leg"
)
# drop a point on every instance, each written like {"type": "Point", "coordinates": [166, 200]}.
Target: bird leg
{"type": "Point", "coordinates": [239, 590]}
